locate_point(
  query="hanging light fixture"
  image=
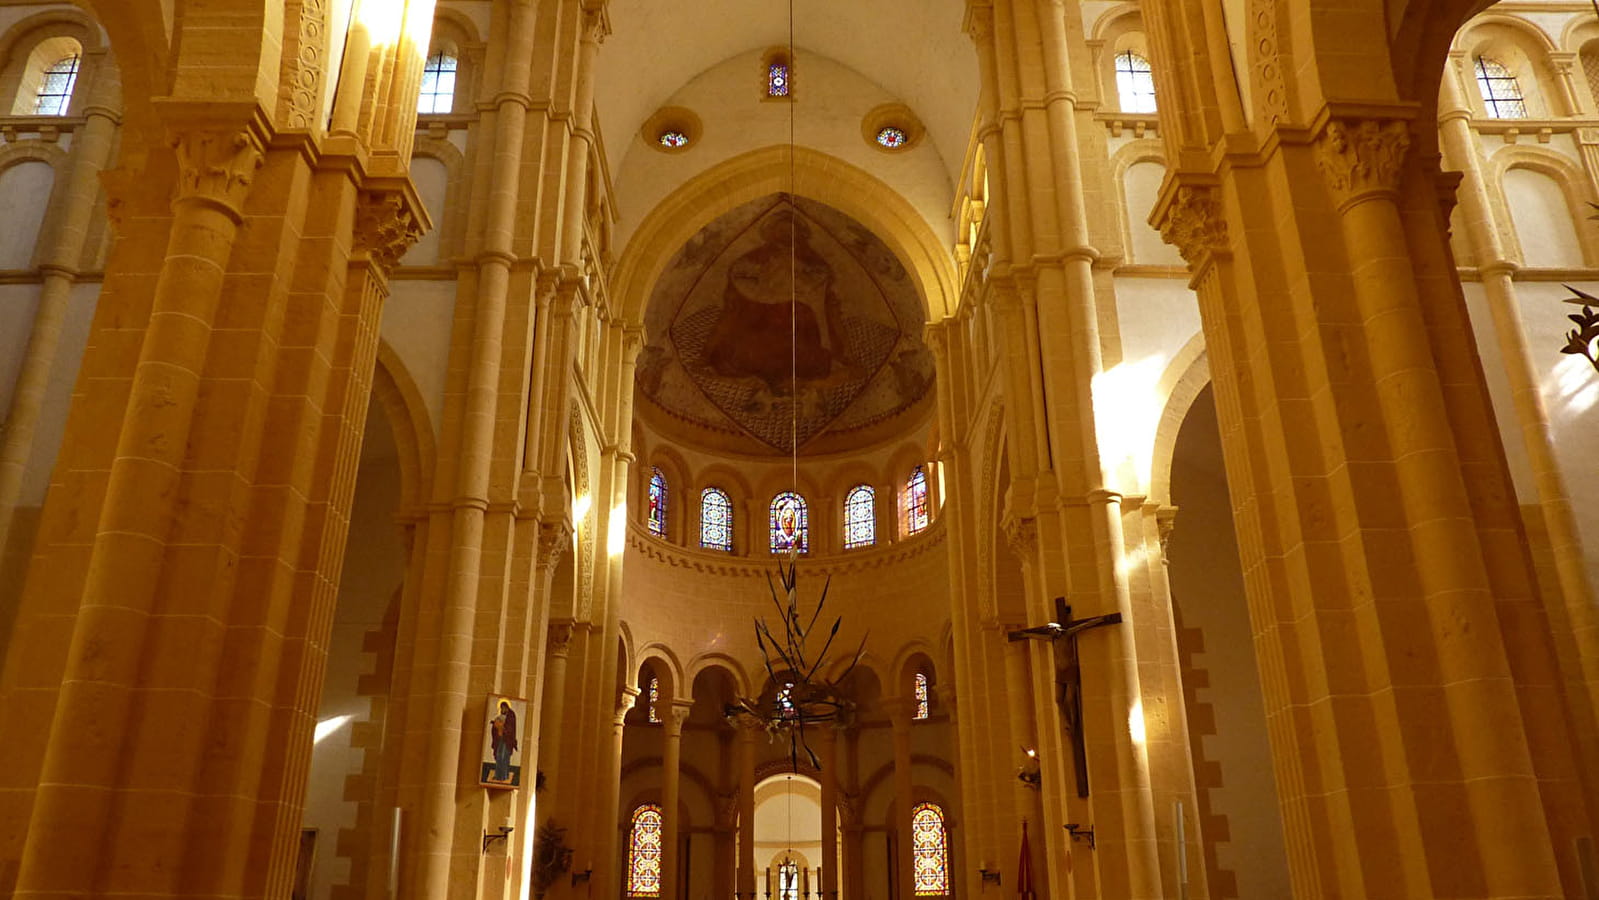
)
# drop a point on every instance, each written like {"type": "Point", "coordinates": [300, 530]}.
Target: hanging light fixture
{"type": "Point", "coordinates": [801, 695]}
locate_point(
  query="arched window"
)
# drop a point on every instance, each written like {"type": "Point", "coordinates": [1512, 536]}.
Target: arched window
{"type": "Point", "coordinates": [929, 851]}
{"type": "Point", "coordinates": [438, 84]}
{"type": "Point", "coordinates": [1135, 83]}
{"type": "Point", "coordinates": [644, 852]}
{"type": "Point", "coordinates": [657, 520]}
{"type": "Point", "coordinates": [716, 519]}
{"type": "Point", "coordinates": [860, 517]}
{"type": "Point", "coordinates": [916, 514]}
{"type": "Point", "coordinates": [652, 698]}
{"type": "Point", "coordinates": [1501, 92]}
{"type": "Point", "coordinates": [788, 885]}
{"type": "Point", "coordinates": [922, 706]}
{"type": "Point", "coordinates": [55, 87]}
{"type": "Point", "coordinates": [790, 525]}
{"type": "Point", "coordinates": [779, 77]}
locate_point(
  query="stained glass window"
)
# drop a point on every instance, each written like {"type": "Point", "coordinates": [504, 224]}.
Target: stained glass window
{"type": "Point", "coordinates": [921, 696]}
{"type": "Point", "coordinates": [673, 139]}
{"type": "Point", "coordinates": [777, 81]}
{"type": "Point", "coordinates": [1501, 92]}
{"type": "Point", "coordinates": [657, 509]}
{"type": "Point", "coordinates": [916, 513]}
{"type": "Point", "coordinates": [788, 880]}
{"type": "Point", "coordinates": [1135, 83]}
{"type": "Point", "coordinates": [55, 91]}
{"type": "Point", "coordinates": [891, 137]}
{"type": "Point", "coordinates": [716, 519]}
{"type": "Point", "coordinates": [653, 707]}
{"type": "Point", "coordinates": [929, 851]}
{"type": "Point", "coordinates": [784, 702]}
{"type": "Point", "coordinates": [860, 517]}
{"type": "Point", "coordinates": [790, 527]}
{"type": "Point", "coordinates": [644, 852]}
{"type": "Point", "coordinates": [438, 84]}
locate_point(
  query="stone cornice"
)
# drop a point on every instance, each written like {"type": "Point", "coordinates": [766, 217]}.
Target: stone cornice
{"type": "Point", "coordinates": [712, 562]}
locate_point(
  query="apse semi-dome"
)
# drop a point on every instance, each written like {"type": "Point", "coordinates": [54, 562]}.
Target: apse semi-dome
{"type": "Point", "coordinates": [731, 363]}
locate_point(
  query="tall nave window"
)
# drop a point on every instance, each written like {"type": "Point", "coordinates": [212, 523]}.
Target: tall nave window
{"type": "Point", "coordinates": [929, 851]}
{"type": "Point", "coordinates": [716, 519]}
{"type": "Point", "coordinates": [55, 89]}
{"type": "Point", "coordinates": [1501, 92]}
{"type": "Point", "coordinates": [438, 84]}
{"type": "Point", "coordinates": [644, 852]}
{"type": "Point", "coordinates": [1135, 83]}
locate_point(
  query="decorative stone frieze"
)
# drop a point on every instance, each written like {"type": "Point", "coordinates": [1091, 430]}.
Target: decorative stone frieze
{"type": "Point", "coordinates": [1194, 223]}
{"type": "Point", "coordinates": [1266, 70]}
{"type": "Point", "coordinates": [217, 165]}
{"type": "Point", "coordinates": [385, 227]}
{"type": "Point", "coordinates": [1362, 157]}
{"type": "Point", "coordinates": [302, 83]}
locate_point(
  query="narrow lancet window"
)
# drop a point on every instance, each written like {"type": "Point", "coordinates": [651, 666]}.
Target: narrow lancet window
{"type": "Point", "coordinates": [790, 525]}
{"type": "Point", "coordinates": [644, 852]}
{"type": "Point", "coordinates": [716, 519]}
{"type": "Point", "coordinates": [860, 517]}
{"type": "Point", "coordinates": [929, 851]}
{"type": "Point", "coordinates": [55, 88]}
{"type": "Point", "coordinates": [922, 707]}
{"type": "Point", "coordinates": [916, 512]}
{"type": "Point", "coordinates": [657, 508]}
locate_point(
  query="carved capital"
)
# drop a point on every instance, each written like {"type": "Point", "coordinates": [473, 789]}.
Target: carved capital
{"type": "Point", "coordinates": [979, 22]}
{"type": "Point", "coordinates": [385, 227]}
{"type": "Point", "coordinates": [216, 165]}
{"type": "Point", "coordinates": [555, 538]}
{"type": "Point", "coordinates": [560, 638]}
{"type": "Point", "coordinates": [596, 24]}
{"type": "Point", "coordinates": [1194, 223]}
{"type": "Point", "coordinates": [1362, 157]}
{"type": "Point", "coordinates": [1022, 537]}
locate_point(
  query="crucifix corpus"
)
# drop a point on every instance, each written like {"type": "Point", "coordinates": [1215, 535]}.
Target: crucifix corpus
{"type": "Point", "coordinates": [1068, 674]}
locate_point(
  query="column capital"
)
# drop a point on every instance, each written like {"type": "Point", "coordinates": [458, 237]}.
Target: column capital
{"type": "Point", "coordinates": [560, 638]}
{"type": "Point", "coordinates": [1190, 218]}
{"type": "Point", "coordinates": [1022, 536]}
{"type": "Point", "coordinates": [218, 151]}
{"type": "Point", "coordinates": [900, 710]}
{"type": "Point", "coordinates": [555, 538]}
{"type": "Point", "coordinates": [677, 713]}
{"type": "Point", "coordinates": [1362, 158]}
{"type": "Point", "coordinates": [386, 225]}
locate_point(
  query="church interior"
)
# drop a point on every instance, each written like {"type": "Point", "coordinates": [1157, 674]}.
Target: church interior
{"type": "Point", "coordinates": [799, 449]}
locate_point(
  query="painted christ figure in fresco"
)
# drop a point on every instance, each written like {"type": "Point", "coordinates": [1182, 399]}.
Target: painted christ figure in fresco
{"type": "Point", "coordinates": [752, 334]}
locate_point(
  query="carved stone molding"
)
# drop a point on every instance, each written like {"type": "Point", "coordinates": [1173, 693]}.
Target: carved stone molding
{"type": "Point", "coordinates": [1362, 157]}
{"type": "Point", "coordinates": [1194, 223]}
{"type": "Point", "coordinates": [302, 83]}
{"type": "Point", "coordinates": [385, 227]}
{"type": "Point", "coordinates": [1265, 68]}
{"type": "Point", "coordinates": [217, 165]}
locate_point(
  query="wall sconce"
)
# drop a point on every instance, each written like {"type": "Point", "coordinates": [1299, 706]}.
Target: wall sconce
{"type": "Point", "coordinates": [1079, 833]}
{"type": "Point", "coordinates": [1031, 773]}
{"type": "Point", "coordinates": [581, 877]}
{"type": "Point", "coordinates": [504, 834]}
{"type": "Point", "coordinates": [988, 876]}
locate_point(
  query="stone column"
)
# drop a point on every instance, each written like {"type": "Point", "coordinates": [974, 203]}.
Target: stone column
{"type": "Point", "coordinates": [828, 883]}
{"type": "Point", "coordinates": [554, 706]}
{"type": "Point", "coordinates": [672, 824]}
{"type": "Point", "coordinates": [59, 263]}
{"type": "Point", "coordinates": [900, 710]}
{"type": "Point", "coordinates": [747, 736]}
{"type": "Point", "coordinates": [1577, 617]}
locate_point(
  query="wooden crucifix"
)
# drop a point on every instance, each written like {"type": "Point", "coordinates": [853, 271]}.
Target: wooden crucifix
{"type": "Point", "coordinates": [1069, 674]}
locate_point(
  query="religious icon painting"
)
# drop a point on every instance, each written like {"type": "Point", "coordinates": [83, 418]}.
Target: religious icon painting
{"type": "Point", "coordinates": [502, 743]}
